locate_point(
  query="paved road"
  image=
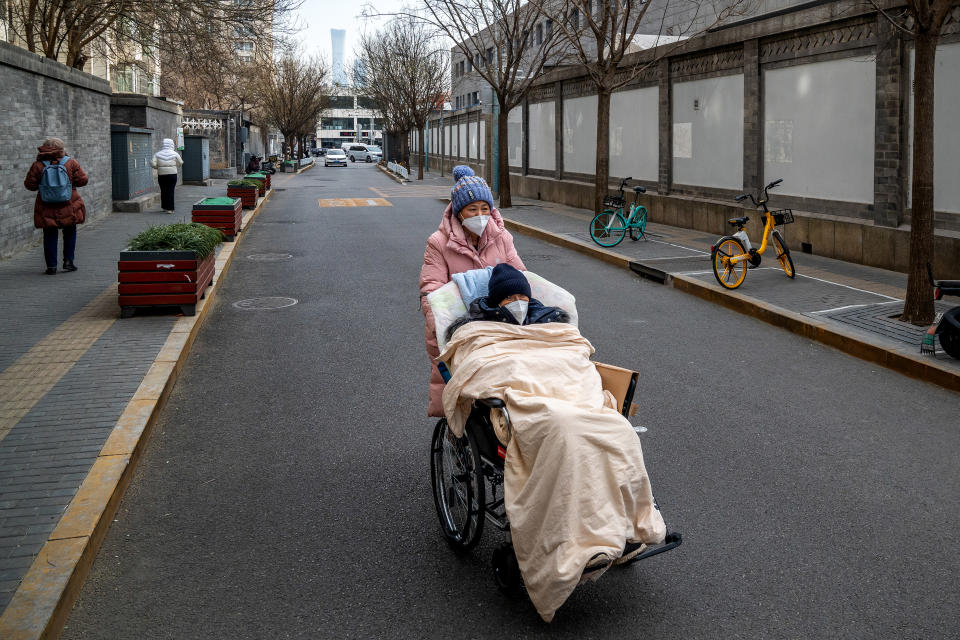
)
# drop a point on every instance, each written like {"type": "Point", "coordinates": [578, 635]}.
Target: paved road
{"type": "Point", "coordinates": [285, 492]}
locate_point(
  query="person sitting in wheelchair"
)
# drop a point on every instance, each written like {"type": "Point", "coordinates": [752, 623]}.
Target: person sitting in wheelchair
{"type": "Point", "coordinates": [509, 301]}
{"type": "Point", "coordinates": [576, 489]}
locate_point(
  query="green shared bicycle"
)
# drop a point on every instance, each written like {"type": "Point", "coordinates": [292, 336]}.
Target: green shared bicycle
{"type": "Point", "coordinates": [609, 226]}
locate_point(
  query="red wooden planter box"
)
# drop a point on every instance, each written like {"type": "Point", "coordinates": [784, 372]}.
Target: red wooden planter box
{"type": "Point", "coordinates": [163, 279]}
{"type": "Point", "coordinates": [262, 177]}
{"type": "Point", "coordinates": [247, 195]}
{"type": "Point", "coordinates": [225, 214]}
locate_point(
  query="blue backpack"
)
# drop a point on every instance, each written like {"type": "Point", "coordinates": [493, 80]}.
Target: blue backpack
{"type": "Point", "coordinates": [55, 185]}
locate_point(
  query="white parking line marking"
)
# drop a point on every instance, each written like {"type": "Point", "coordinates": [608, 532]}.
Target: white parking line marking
{"type": "Point", "coordinates": [846, 286]}
{"type": "Point", "coordinates": [706, 253]}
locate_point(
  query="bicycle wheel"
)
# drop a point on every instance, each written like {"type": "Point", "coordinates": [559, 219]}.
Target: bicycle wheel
{"type": "Point", "coordinates": [783, 255]}
{"type": "Point", "coordinates": [607, 228]}
{"type": "Point", "coordinates": [459, 490]}
{"type": "Point", "coordinates": [729, 275]}
{"type": "Point", "coordinates": [639, 226]}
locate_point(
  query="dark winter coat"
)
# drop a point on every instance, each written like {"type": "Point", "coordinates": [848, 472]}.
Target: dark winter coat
{"type": "Point", "coordinates": [537, 313]}
{"type": "Point", "coordinates": [47, 215]}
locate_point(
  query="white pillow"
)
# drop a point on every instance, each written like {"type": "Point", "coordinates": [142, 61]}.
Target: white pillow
{"type": "Point", "coordinates": [447, 305]}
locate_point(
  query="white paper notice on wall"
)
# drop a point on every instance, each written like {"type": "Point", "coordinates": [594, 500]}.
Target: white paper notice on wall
{"type": "Point", "coordinates": [682, 139]}
{"type": "Point", "coordinates": [778, 141]}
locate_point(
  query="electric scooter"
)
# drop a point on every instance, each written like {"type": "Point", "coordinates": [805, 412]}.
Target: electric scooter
{"type": "Point", "coordinates": [947, 328]}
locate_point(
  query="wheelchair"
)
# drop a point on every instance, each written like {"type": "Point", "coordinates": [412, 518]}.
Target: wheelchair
{"type": "Point", "coordinates": [467, 478]}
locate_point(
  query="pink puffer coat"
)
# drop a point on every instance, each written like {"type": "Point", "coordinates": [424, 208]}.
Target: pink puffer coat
{"type": "Point", "coordinates": [448, 251]}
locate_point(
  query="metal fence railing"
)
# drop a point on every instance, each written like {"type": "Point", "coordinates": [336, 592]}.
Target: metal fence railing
{"type": "Point", "coordinates": [399, 169]}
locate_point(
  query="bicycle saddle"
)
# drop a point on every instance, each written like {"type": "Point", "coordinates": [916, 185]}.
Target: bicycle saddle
{"type": "Point", "coordinates": [639, 189]}
{"type": "Point", "coordinates": [739, 221]}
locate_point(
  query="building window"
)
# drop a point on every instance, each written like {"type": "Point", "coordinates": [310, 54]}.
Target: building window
{"type": "Point", "coordinates": [477, 60]}
{"type": "Point", "coordinates": [245, 51]}
{"type": "Point", "coordinates": [378, 124]}
{"type": "Point", "coordinates": [363, 102]}
{"type": "Point", "coordinates": [575, 19]}
{"type": "Point", "coordinates": [549, 29]}
{"type": "Point", "coordinates": [469, 65]}
{"type": "Point", "coordinates": [341, 102]}
{"type": "Point", "coordinates": [490, 56]}
{"type": "Point", "coordinates": [333, 124]}
{"type": "Point", "coordinates": [124, 77]}
{"type": "Point", "coordinates": [539, 34]}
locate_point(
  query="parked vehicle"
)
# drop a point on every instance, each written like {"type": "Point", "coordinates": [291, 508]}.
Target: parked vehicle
{"type": "Point", "coordinates": [253, 166]}
{"type": "Point", "coordinates": [335, 157]}
{"type": "Point", "coordinates": [267, 167]}
{"type": "Point", "coordinates": [364, 152]}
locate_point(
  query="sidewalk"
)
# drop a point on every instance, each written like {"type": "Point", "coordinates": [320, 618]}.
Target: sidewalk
{"type": "Point", "coordinates": [849, 306]}
{"type": "Point", "coordinates": [78, 387]}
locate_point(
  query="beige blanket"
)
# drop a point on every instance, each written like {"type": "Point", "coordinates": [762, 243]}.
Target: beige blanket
{"type": "Point", "coordinates": [575, 484]}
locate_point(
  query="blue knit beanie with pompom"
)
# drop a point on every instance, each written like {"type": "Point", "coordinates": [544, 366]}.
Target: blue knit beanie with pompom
{"type": "Point", "coordinates": [470, 189]}
{"type": "Point", "coordinates": [462, 171]}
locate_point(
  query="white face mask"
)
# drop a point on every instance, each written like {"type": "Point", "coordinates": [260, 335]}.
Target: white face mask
{"type": "Point", "coordinates": [518, 309]}
{"type": "Point", "coordinates": [476, 224]}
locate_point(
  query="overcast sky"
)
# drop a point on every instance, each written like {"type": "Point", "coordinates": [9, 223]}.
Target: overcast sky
{"type": "Point", "coordinates": [317, 17]}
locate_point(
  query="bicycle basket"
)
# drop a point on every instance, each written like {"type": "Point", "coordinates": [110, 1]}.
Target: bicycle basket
{"type": "Point", "coordinates": [615, 202]}
{"type": "Point", "coordinates": [782, 216]}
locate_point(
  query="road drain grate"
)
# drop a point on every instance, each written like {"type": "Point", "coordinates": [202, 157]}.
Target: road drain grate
{"type": "Point", "coordinates": [264, 304]}
{"type": "Point", "coordinates": [269, 257]}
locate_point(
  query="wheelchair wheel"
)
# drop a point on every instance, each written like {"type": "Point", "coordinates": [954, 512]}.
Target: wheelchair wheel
{"type": "Point", "coordinates": [459, 491]}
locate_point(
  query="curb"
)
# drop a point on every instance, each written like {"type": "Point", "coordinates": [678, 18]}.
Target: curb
{"type": "Point", "coordinates": [46, 595]}
{"type": "Point", "coordinates": [391, 175]}
{"type": "Point", "coordinates": [908, 364]}
{"type": "Point", "coordinates": [302, 169]}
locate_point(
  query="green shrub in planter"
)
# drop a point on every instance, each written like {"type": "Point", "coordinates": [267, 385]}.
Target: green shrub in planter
{"type": "Point", "coordinates": [244, 183]}
{"type": "Point", "coordinates": [184, 236]}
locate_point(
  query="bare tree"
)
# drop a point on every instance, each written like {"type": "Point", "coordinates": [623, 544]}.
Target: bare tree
{"type": "Point", "coordinates": [405, 68]}
{"type": "Point", "coordinates": [922, 20]}
{"type": "Point", "coordinates": [600, 35]}
{"type": "Point", "coordinates": [292, 95]}
{"type": "Point", "coordinates": [69, 30]}
{"type": "Point", "coordinates": [497, 37]}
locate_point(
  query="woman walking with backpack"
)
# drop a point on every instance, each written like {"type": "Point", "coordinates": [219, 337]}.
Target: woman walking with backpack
{"type": "Point", "coordinates": [56, 177]}
{"type": "Point", "coordinates": [167, 162]}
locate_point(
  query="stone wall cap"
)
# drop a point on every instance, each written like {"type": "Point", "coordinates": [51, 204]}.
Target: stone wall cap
{"type": "Point", "coordinates": [121, 127]}
{"type": "Point", "coordinates": [18, 58]}
{"type": "Point", "coordinates": [143, 100]}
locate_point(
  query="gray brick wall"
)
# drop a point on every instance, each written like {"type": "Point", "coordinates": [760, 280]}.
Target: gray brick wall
{"type": "Point", "coordinates": [45, 98]}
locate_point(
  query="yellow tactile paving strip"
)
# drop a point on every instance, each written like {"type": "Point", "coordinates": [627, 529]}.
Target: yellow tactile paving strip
{"type": "Point", "coordinates": [353, 202]}
{"type": "Point", "coordinates": [27, 380]}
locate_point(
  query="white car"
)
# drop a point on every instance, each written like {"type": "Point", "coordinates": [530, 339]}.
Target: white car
{"type": "Point", "coordinates": [364, 152]}
{"type": "Point", "coordinates": [335, 157]}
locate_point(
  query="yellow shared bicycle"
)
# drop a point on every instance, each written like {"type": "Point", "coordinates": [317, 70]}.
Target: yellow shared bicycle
{"type": "Point", "coordinates": [734, 254]}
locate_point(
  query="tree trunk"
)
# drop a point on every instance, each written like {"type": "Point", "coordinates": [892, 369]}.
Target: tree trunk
{"type": "Point", "coordinates": [602, 171]}
{"type": "Point", "coordinates": [420, 141]}
{"type": "Point", "coordinates": [918, 307]}
{"type": "Point", "coordinates": [503, 161]}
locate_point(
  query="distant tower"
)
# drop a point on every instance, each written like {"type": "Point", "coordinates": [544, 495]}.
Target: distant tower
{"type": "Point", "coordinates": [337, 37]}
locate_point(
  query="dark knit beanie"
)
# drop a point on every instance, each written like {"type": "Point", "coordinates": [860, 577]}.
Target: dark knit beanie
{"type": "Point", "coordinates": [462, 171]}
{"type": "Point", "coordinates": [470, 189]}
{"type": "Point", "coordinates": [506, 281]}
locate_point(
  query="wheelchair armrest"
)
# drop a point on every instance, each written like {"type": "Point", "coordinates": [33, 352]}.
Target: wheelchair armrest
{"type": "Point", "coordinates": [492, 403]}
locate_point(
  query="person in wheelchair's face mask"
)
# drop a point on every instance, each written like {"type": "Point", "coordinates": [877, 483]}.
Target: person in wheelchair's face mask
{"type": "Point", "coordinates": [509, 300]}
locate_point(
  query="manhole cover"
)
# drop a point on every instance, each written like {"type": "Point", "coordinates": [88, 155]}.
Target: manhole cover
{"type": "Point", "coordinates": [279, 188]}
{"type": "Point", "coordinates": [269, 257]}
{"type": "Point", "coordinates": [263, 304]}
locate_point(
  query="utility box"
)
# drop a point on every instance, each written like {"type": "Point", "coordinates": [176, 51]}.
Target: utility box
{"type": "Point", "coordinates": [196, 159]}
{"type": "Point", "coordinates": [132, 150]}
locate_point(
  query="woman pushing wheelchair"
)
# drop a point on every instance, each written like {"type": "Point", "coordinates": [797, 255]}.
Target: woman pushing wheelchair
{"type": "Point", "coordinates": [575, 488]}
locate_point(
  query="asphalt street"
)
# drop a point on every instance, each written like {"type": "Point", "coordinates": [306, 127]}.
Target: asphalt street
{"type": "Point", "coordinates": [285, 492]}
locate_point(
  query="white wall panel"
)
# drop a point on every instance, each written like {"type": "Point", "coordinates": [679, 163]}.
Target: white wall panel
{"type": "Point", "coordinates": [473, 140]}
{"type": "Point", "coordinates": [580, 135]}
{"type": "Point", "coordinates": [515, 133]}
{"type": "Point", "coordinates": [634, 134]}
{"type": "Point", "coordinates": [462, 148]}
{"type": "Point", "coordinates": [946, 138]}
{"type": "Point", "coordinates": [708, 132]}
{"type": "Point", "coordinates": [483, 139]}
{"type": "Point", "coordinates": [446, 140]}
{"type": "Point", "coordinates": [543, 136]}
{"type": "Point", "coordinates": [819, 129]}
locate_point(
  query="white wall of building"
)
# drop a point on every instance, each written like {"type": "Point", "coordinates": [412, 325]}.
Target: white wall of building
{"type": "Point", "coordinates": [634, 134]}
{"type": "Point", "coordinates": [462, 148]}
{"type": "Point", "coordinates": [946, 138]}
{"type": "Point", "coordinates": [819, 129]}
{"type": "Point", "coordinates": [543, 136]}
{"type": "Point", "coordinates": [708, 132]}
{"type": "Point", "coordinates": [483, 139]}
{"type": "Point", "coordinates": [515, 135]}
{"type": "Point", "coordinates": [580, 135]}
